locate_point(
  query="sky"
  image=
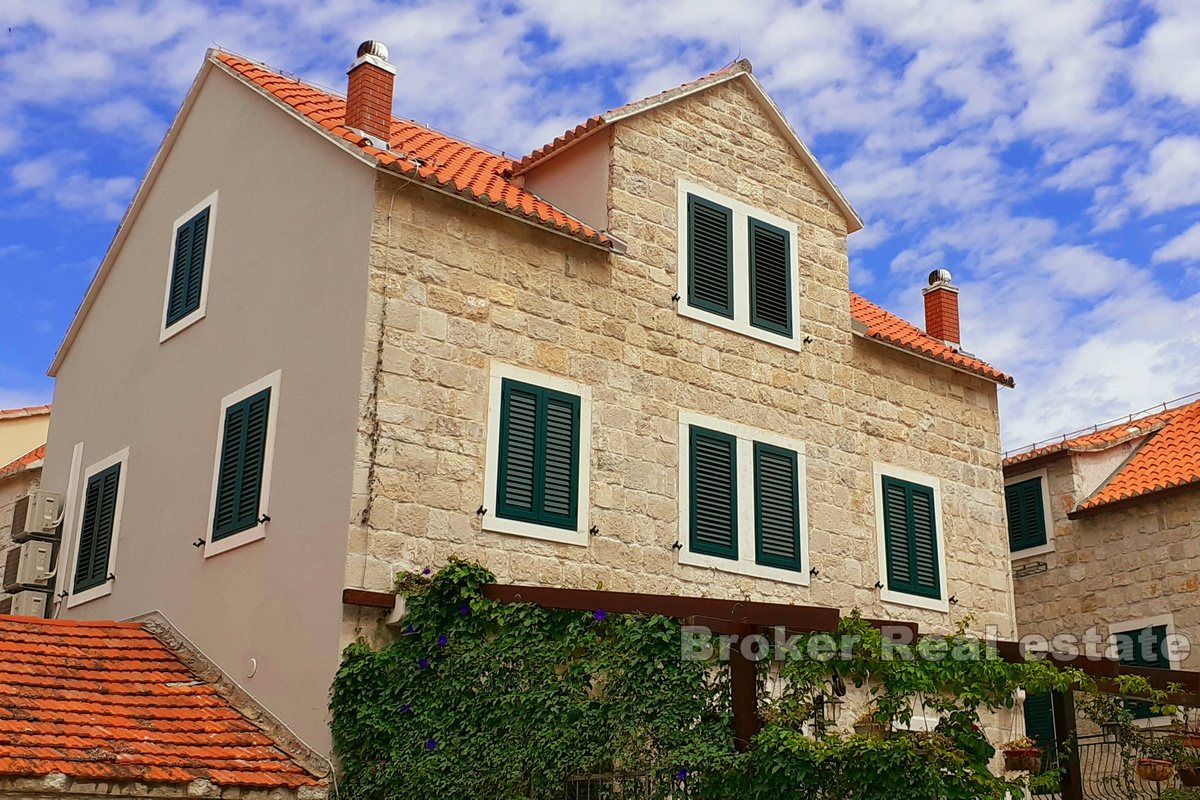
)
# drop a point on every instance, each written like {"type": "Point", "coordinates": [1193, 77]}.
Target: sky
{"type": "Point", "coordinates": [1047, 152]}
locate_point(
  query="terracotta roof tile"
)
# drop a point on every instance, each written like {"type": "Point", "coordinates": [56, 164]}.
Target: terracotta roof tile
{"type": "Point", "coordinates": [887, 327]}
{"type": "Point", "coordinates": [27, 411]}
{"type": "Point", "coordinates": [1168, 459]}
{"type": "Point", "coordinates": [108, 701]}
{"type": "Point", "coordinates": [19, 464]}
{"type": "Point", "coordinates": [421, 153]}
{"type": "Point", "coordinates": [1097, 438]}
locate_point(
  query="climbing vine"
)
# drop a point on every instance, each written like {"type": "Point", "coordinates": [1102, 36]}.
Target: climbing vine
{"type": "Point", "coordinates": [483, 699]}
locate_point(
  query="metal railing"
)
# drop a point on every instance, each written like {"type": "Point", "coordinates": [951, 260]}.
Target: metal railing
{"type": "Point", "coordinates": [628, 786]}
{"type": "Point", "coordinates": [1108, 772]}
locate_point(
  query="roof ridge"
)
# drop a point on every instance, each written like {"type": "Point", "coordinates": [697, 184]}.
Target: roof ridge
{"type": "Point", "coordinates": [24, 411]}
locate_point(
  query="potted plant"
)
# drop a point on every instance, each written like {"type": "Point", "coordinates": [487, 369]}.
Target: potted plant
{"type": "Point", "coordinates": [1022, 755]}
{"type": "Point", "coordinates": [868, 725]}
{"type": "Point", "coordinates": [1187, 765]}
{"type": "Point", "coordinates": [1188, 727]}
{"type": "Point", "coordinates": [1157, 756]}
{"type": "Point", "coordinates": [1154, 770]}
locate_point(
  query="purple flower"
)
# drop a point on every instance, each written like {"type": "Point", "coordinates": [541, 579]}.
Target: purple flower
{"type": "Point", "coordinates": [464, 609]}
{"type": "Point", "coordinates": [406, 708]}
{"type": "Point", "coordinates": [427, 571]}
{"type": "Point", "coordinates": [423, 663]}
{"type": "Point", "coordinates": [443, 640]}
{"type": "Point", "coordinates": [599, 615]}
{"type": "Point", "coordinates": [431, 745]}
{"type": "Point", "coordinates": [681, 775]}
{"type": "Point", "coordinates": [409, 629]}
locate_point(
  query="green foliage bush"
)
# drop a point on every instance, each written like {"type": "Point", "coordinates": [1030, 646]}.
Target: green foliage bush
{"type": "Point", "coordinates": [481, 699]}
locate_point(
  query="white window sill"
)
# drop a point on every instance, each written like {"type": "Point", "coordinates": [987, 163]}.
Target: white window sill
{"type": "Point", "coordinates": [241, 539]}
{"type": "Point", "coordinates": [87, 595]}
{"type": "Point", "coordinates": [738, 567]}
{"type": "Point", "coordinates": [183, 324]}
{"type": "Point", "coordinates": [1030, 552]}
{"type": "Point", "coordinates": [914, 601]}
{"type": "Point", "coordinates": [532, 530]}
{"type": "Point", "coordinates": [740, 327]}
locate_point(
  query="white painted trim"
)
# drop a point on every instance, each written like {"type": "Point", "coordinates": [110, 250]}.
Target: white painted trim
{"type": "Point", "coordinates": [496, 524]}
{"type": "Point", "coordinates": [879, 470]}
{"type": "Point", "coordinates": [64, 566]}
{"type": "Point", "coordinates": [164, 332]}
{"type": "Point", "coordinates": [259, 531]}
{"type": "Point", "coordinates": [1167, 620]}
{"type": "Point", "coordinates": [1048, 547]}
{"type": "Point", "coordinates": [104, 589]}
{"type": "Point", "coordinates": [746, 563]}
{"type": "Point", "coordinates": [741, 267]}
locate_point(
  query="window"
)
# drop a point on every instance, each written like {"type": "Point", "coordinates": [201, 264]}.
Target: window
{"type": "Point", "coordinates": [241, 482]}
{"type": "Point", "coordinates": [741, 500]}
{"type": "Point", "coordinates": [1027, 503]}
{"type": "Point", "coordinates": [536, 482]}
{"type": "Point", "coordinates": [100, 522]}
{"type": "Point", "coordinates": [911, 546]}
{"type": "Point", "coordinates": [187, 274]}
{"type": "Point", "coordinates": [737, 266]}
{"type": "Point", "coordinates": [1039, 726]}
{"type": "Point", "coordinates": [1143, 647]}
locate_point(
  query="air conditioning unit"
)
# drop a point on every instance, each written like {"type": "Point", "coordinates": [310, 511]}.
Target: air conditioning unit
{"type": "Point", "coordinates": [36, 516]}
{"type": "Point", "coordinates": [28, 565]}
{"type": "Point", "coordinates": [25, 604]}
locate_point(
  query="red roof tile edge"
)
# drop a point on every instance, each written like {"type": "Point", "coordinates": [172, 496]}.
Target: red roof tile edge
{"type": "Point", "coordinates": [27, 411]}
{"type": "Point", "coordinates": [21, 463]}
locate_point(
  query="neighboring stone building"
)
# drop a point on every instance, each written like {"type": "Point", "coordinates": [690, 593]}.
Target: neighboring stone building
{"type": "Point", "coordinates": [1104, 528]}
{"type": "Point", "coordinates": [22, 448]}
{"type": "Point", "coordinates": [327, 345]}
{"type": "Point", "coordinates": [109, 709]}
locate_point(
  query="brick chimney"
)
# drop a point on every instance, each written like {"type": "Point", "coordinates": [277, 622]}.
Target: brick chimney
{"type": "Point", "coordinates": [369, 95]}
{"type": "Point", "coordinates": [941, 307]}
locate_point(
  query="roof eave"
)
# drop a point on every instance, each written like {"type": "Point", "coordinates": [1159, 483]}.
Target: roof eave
{"type": "Point", "coordinates": [861, 331]}
{"type": "Point", "coordinates": [1081, 511]}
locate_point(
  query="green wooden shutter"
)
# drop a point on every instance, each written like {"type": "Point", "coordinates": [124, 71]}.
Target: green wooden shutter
{"type": "Point", "coordinates": [713, 467]}
{"type": "Point", "coordinates": [187, 267]}
{"type": "Point", "coordinates": [710, 256]}
{"type": "Point", "coordinates": [770, 278]}
{"type": "Point", "coordinates": [1143, 648]}
{"type": "Point", "coordinates": [243, 452]}
{"type": "Point", "coordinates": [1039, 720]}
{"type": "Point", "coordinates": [776, 507]}
{"type": "Point", "coordinates": [910, 538]}
{"type": "Point", "coordinates": [1026, 514]}
{"type": "Point", "coordinates": [95, 534]}
{"type": "Point", "coordinates": [538, 474]}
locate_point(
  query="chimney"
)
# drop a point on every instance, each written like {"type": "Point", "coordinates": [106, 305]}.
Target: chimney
{"type": "Point", "coordinates": [369, 95]}
{"type": "Point", "coordinates": [941, 307]}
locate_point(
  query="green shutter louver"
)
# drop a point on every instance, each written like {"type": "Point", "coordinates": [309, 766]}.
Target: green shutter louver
{"type": "Point", "coordinates": [710, 256]}
{"type": "Point", "coordinates": [713, 469]}
{"type": "Point", "coordinates": [910, 538]}
{"type": "Point", "coordinates": [240, 476]}
{"type": "Point", "coordinates": [1143, 648]}
{"type": "Point", "coordinates": [187, 268]}
{"type": "Point", "coordinates": [1026, 514]}
{"type": "Point", "coordinates": [96, 532]}
{"type": "Point", "coordinates": [538, 474]}
{"type": "Point", "coordinates": [1039, 720]}
{"type": "Point", "coordinates": [770, 278]}
{"type": "Point", "coordinates": [776, 507]}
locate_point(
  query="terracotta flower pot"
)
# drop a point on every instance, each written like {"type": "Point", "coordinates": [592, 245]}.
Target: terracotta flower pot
{"type": "Point", "coordinates": [1154, 770]}
{"type": "Point", "coordinates": [1029, 760]}
{"type": "Point", "coordinates": [1191, 740]}
{"type": "Point", "coordinates": [869, 729]}
{"type": "Point", "coordinates": [1189, 776]}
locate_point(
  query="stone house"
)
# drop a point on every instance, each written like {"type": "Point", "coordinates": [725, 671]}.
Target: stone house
{"type": "Point", "coordinates": [328, 344]}
{"type": "Point", "coordinates": [22, 450]}
{"type": "Point", "coordinates": [1104, 529]}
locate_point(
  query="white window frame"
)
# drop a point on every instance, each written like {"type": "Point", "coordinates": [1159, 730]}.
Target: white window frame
{"type": "Point", "coordinates": [1041, 549]}
{"type": "Point", "coordinates": [746, 563]}
{"type": "Point", "coordinates": [191, 319]}
{"type": "Point", "coordinates": [103, 590]}
{"type": "Point", "coordinates": [496, 524]}
{"type": "Point", "coordinates": [741, 267]}
{"type": "Point", "coordinates": [886, 595]}
{"type": "Point", "coordinates": [259, 531]}
{"type": "Point", "coordinates": [1167, 620]}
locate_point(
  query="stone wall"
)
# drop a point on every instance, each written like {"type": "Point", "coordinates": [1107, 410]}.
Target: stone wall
{"type": "Point", "coordinates": [1115, 565]}
{"type": "Point", "coordinates": [56, 786]}
{"type": "Point", "coordinates": [454, 288]}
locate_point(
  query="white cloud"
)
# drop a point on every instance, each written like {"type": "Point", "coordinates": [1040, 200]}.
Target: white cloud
{"type": "Point", "coordinates": [1172, 177]}
{"type": "Point", "coordinates": [1086, 171]}
{"type": "Point", "coordinates": [75, 190]}
{"type": "Point", "coordinates": [1184, 247]}
{"type": "Point", "coordinates": [1168, 58]}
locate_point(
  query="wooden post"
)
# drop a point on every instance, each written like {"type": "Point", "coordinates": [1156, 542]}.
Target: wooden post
{"type": "Point", "coordinates": [744, 684]}
{"type": "Point", "coordinates": [1066, 739]}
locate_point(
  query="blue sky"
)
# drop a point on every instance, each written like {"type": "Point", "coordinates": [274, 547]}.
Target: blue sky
{"type": "Point", "coordinates": [1045, 151]}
